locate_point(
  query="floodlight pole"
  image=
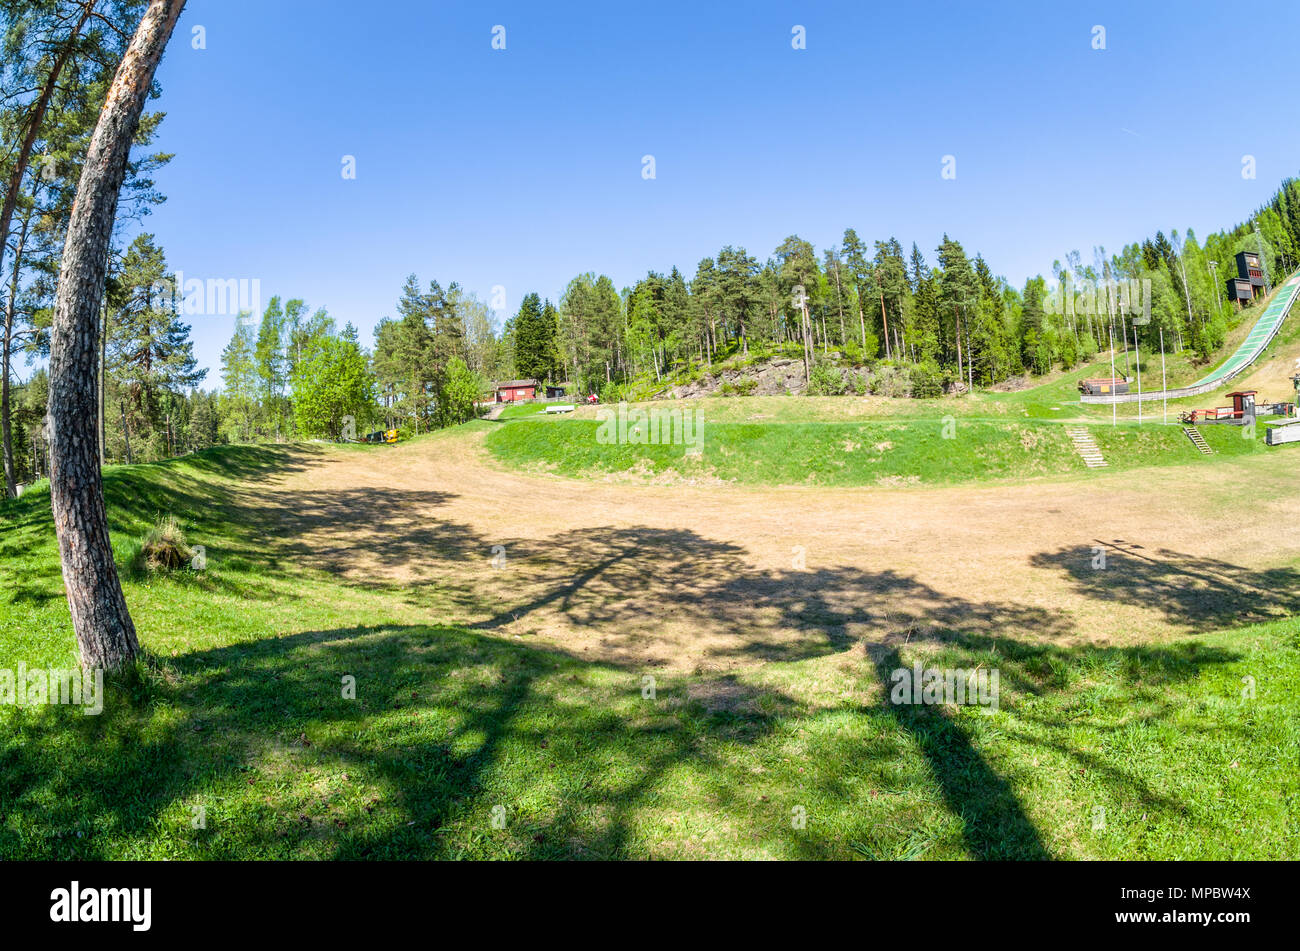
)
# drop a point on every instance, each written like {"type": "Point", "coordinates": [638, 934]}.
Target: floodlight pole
{"type": "Point", "coordinates": [1214, 280]}
{"type": "Point", "coordinates": [1137, 364]}
{"type": "Point", "coordinates": [1114, 403]}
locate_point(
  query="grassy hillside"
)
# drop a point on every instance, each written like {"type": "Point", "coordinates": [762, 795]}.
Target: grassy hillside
{"type": "Point", "coordinates": [521, 410]}
{"type": "Point", "coordinates": [239, 711]}
{"type": "Point", "coordinates": [902, 451]}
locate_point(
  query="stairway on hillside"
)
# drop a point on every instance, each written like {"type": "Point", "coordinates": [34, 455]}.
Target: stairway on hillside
{"type": "Point", "coordinates": [1086, 447]}
{"type": "Point", "coordinates": [1197, 439]}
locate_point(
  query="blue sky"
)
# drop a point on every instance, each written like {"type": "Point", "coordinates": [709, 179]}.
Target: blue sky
{"type": "Point", "coordinates": [522, 167]}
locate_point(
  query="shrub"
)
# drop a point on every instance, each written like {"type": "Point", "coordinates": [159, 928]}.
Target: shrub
{"type": "Point", "coordinates": [891, 380]}
{"type": "Point", "coordinates": [826, 381]}
{"type": "Point", "coordinates": [613, 392]}
{"type": "Point", "coordinates": [1069, 353]}
{"type": "Point", "coordinates": [856, 353]}
{"type": "Point", "coordinates": [1216, 331]}
{"type": "Point", "coordinates": [742, 387]}
{"type": "Point", "coordinates": [927, 381]}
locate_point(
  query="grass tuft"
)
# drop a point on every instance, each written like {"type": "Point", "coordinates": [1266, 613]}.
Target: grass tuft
{"type": "Point", "coordinates": [164, 547]}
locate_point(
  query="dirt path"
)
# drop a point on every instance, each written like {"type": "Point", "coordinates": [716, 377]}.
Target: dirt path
{"type": "Point", "coordinates": [711, 577]}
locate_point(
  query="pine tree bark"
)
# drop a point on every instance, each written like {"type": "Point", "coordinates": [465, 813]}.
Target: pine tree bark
{"type": "Point", "coordinates": [105, 632]}
{"type": "Point", "coordinates": [126, 431]}
{"type": "Point", "coordinates": [884, 321]}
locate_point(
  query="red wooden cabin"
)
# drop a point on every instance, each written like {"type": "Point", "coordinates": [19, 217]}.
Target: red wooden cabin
{"type": "Point", "coordinates": [513, 391]}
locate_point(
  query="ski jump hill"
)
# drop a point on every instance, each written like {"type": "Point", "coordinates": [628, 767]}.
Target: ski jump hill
{"type": "Point", "coordinates": [1260, 336]}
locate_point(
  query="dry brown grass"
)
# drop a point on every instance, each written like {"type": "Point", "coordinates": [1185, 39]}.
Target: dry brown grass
{"type": "Point", "coordinates": [729, 576]}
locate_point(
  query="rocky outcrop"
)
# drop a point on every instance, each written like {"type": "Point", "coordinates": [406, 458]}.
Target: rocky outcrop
{"type": "Point", "coordinates": [782, 375]}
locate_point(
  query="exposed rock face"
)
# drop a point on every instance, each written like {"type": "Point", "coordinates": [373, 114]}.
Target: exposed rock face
{"type": "Point", "coordinates": [1013, 384]}
{"type": "Point", "coordinates": [768, 379]}
{"type": "Point", "coordinates": [785, 375]}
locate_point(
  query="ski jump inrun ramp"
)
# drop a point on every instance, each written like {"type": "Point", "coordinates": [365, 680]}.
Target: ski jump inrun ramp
{"type": "Point", "coordinates": [1260, 336]}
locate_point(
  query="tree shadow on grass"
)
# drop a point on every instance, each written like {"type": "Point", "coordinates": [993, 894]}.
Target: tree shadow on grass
{"type": "Point", "coordinates": [451, 723]}
{"type": "Point", "coordinates": [375, 538]}
{"type": "Point", "coordinates": [993, 821]}
{"type": "Point", "coordinates": [206, 507]}
{"type": "Point", "coordinates": [446, 726]}
{"type": "Point", "coordinates": [1200, 593]}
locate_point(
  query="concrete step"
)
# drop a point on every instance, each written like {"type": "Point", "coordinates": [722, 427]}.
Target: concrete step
{"type": "Point", "coordinates": [1087, 448]}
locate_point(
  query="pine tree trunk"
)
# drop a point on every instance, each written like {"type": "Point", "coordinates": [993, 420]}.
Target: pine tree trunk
{"type": "Point", "coordinates": [970, 360]}
{"type": "Point", "coordinates": [957, 334]}
{"type": "Point", "coordinates": [803, 334]}
{"type": "Point", "coordinates": [126, 431]}
{"type": "Point", "coordinates": [105, 632]}
{"type": "Point", "coordinates": [884, 322]}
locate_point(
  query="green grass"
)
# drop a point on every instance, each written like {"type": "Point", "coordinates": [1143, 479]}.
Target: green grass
{"type": "Point", "coordinates": [239, 710]}
{"type": "Point", "coordinates": [521, 410]}
{"type": "Point", "coordinates": [906, 450]}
